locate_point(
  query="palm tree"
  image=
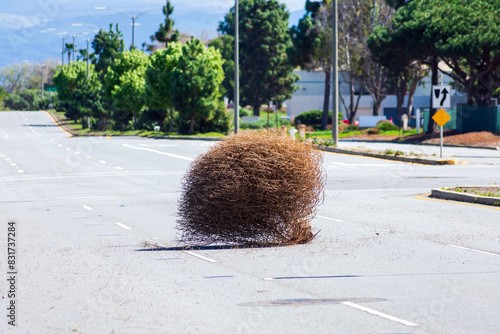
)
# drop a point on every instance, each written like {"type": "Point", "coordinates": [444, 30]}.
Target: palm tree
{"type": "Point", "coordinates": [70, 47]}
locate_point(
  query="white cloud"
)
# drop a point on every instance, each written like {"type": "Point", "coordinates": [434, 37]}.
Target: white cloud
{"type": "Point", "coordinates": [13, 21]}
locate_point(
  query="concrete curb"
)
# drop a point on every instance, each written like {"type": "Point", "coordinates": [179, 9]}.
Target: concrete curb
{"type": "Point", "coordinates": [389, 157]}
{"type": "Point", "coordinates": [463, 197]}
{"type": "Point", "coordinates": [419, 144]}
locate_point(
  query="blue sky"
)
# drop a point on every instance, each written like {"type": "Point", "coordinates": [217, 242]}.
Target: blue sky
{"type": "Point", "coordinates": [21, 22]}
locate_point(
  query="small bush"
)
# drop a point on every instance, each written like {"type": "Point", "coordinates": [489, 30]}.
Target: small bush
{"type": "Point", "coordinates": [373, 131]}
{"type": "Point", "coordinates": [256, 188]}
{"type": "Point", "coordinates": [386, 126]}
{"type": "Point", "coordinates": [245, 112]}
{"type": "Point", "coordinates": [352, 127]}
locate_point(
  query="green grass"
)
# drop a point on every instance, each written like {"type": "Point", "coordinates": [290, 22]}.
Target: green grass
{"type": "Point", "coordinates": [346, 134]}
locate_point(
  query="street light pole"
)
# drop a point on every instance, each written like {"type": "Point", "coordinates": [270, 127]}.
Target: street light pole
{"type": "Point", "coordinates": [236, 70]}
{"type": "Point", "coordinates": [335, 75]}
{"type": "Point", "coordinates": [133, 17]}
{"type": "Point", "coordinates": [62, 52]}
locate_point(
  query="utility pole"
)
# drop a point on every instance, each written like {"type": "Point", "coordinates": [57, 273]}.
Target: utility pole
{"type": "Point", "coordinates": [335, 75]}
{"type": "Point", "coordinates": [62, 52]}
{"type": "Point", "coordinates": [236, 71]}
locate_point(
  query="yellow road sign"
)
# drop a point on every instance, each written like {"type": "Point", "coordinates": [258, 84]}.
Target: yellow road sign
{"type": "Point", "coordinates": [441, 117]}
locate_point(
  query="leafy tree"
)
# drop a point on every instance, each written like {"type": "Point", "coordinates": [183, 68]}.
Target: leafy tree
{"type": "Point", "coordinates": [312, 47]}
{"type": "Point", "coordinates": [107, 45]}
{"type": "Point", "coordinates": [3, 93]}
{"type": "Point", "coordinates": [405, 72]}
{"type": "Point", "coordinates": [124, 84]}
{"type": "Point", "coordinates": [18, 77]}
{"type": "Point", "coordinates": [462, 34]}
{"type": "Point", "coordinates": [158, 80]}
{"type": "Point", "coordinates": [79, 94]}
{"type": "Point", "coordinates": [195, 83]}
{"type": "Point", "coordinates": [165, 33]}
{"type": "Point", "coordinates": [225, 45]}
{"type": "Point", "coordinates": [266, 73]}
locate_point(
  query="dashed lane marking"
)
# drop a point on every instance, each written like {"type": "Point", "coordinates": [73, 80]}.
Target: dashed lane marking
{"type": "Point", "coordinates": [123, 226]}
{"type": "Point", "coordinates": [379, 314]}
{"type": "Point", "coordinates": [87, 207]}
{"type": "Point", "coordinates": [201, 257]}
{"type": "Point", "coordinates": [328, 218]}
{"type": "Point", "coordinates": [474, 250]}
{"type": "Point", "coordinates": [158, 152]}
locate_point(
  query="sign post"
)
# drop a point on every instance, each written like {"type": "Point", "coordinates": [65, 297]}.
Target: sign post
{"type": "Point", "coordinates": [441, 118]}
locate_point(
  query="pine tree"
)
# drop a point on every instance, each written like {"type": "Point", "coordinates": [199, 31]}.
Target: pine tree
{"type": "Point", "coordinates": [165, 33]}
{"type": "Point", "coordinates": [266, 73]}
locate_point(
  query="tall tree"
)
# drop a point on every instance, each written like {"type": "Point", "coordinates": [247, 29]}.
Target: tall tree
{"type": "Point", "coordinates": [107, 45]}
{"type": "Point", "coordinates": [80, 94]}
{"type": "Point", "coordinates": [166, 33]}
{"type": "Point", "coordinates": [462, 34]}
{"type": "Point", "coordinates": [266, 73]}
{"type": "Point", "coordinates": [124, 84]}
{"type": "Point", "coordinates": [195, 82]}
{"type": "Point", "coordinates": [225, 45]}
{"type": "Point", "coordinates": [158, 80]}
{"type": "Point", "coordinates": [312, 47]}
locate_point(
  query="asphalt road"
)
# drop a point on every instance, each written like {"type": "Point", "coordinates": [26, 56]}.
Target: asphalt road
{"type": "Point", "coordinates": [387, 259]}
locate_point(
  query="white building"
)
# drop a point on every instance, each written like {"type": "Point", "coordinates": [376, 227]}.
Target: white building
{"type": "Point", "coordinates": [311, 93]}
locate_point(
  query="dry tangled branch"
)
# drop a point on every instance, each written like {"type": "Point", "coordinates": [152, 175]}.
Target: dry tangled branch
{"type": "Point", "coordinates": [253, 188]}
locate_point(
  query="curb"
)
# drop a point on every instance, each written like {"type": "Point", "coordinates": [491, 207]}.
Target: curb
{"type": "Point", "coordinates": [420, 144]}
{"type": "Point", "coordinates": [462, 197]}
{"type": "Point", "coordinates": [389, 157]}
{"type": "Point", "coordinates": [71, 134]}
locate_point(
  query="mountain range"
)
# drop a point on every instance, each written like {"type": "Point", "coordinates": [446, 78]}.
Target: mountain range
{"type": "Point", "coordinates": [37, 42]}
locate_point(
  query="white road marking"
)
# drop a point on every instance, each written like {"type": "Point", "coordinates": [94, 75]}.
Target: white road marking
{"type": "Point", "coordinates": [379, 314]}
{"type": "Point", "coordinates": [102, 161]}
{"type": "Point", "coordinates": [14, 165]}
{"type": "Point", "coordinates": [89, 157]}
{"type": "Point", "coordinates": [474, 250]}
{"type": "Point", "coordinates": [123, 226]}
{"type": "Point", "coordinates": [328, 218]}
{"type": "Point", "coordinates": [87, 207]}
{"type": "Point", "coordinates": [158, 152]}
{"type": "Point", "coordinates": [119, 168]}
{"type": "Point", "coordinates": [343, 164]}
{"type": "Point", "coordinates": [20, 171]}
{"type": "Point", "coordinates": [68, 149]}
{"type": "Point", "coordinates": [201, 257]}
{"type": "Point", "coordinates": [159, 145]}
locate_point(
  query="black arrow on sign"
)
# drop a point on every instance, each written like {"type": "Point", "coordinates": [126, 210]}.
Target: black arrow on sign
{"type": "Point", "coordinates": [445, 92]}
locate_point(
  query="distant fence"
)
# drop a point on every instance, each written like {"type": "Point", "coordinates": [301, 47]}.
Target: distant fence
{"type": "Point", "coordinates": [470, 119]}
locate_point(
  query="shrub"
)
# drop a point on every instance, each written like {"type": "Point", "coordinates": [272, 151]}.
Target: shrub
{"type": "Point", "coordinates": [352, 127]}
{"type": "Point", "coordinates": [386, 126]}
{"type": "Point", "coordinates": [255, 188]}
{"type": "Point", "coordinates": [245, 112]}
{"type": "Point", "coordinates": [373, 131]}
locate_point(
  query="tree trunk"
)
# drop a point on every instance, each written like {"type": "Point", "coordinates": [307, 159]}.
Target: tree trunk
{"type": "Point", "coordinates": [377, 105]}
{"type": "Point", "coordinates": [432, 127]}
{"type": "Point", "coordinates": [191, 125]}
{"type": "Point", "coordinates": [326, 99]}
{"type": "Point", "coordinates": [171, 121]}
{"type": "Point", "coordinates": [256, 109]}
{"type": "Point", "coordinates": [401, 88]}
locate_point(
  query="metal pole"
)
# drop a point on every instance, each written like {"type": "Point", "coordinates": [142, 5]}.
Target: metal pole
{"type": "Point", "coordinates": [236, 71]}
{"type": "Point", "coordinates": [441, 146]}
{"type": "Point", "coordinates": [335, 83]}
{"type": "Point", "coordinates": [133, 31]}
{"type": "Point", "coordinates": [43, 79]}
{"type": "Point", "coordinates": [88, 57]}
{"type": "Point", "coordinates": [62, 52]}
{"type": "Point", "coordinates": [74, 38]}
